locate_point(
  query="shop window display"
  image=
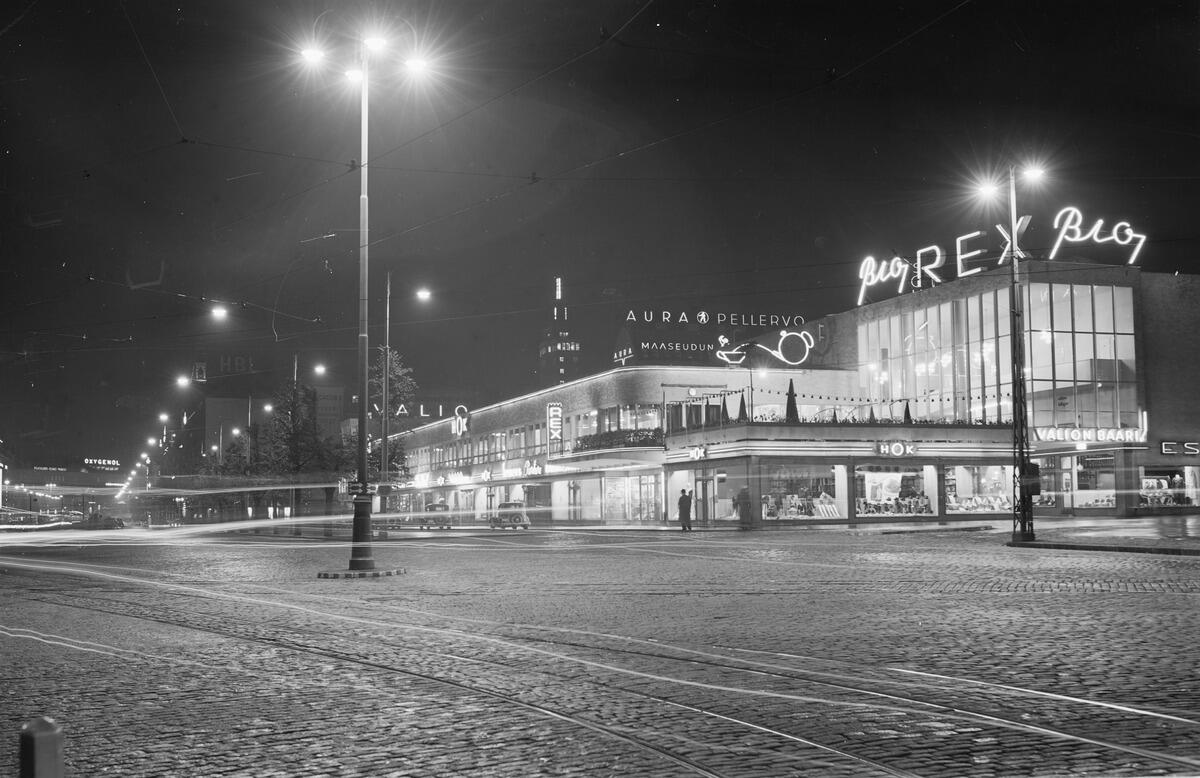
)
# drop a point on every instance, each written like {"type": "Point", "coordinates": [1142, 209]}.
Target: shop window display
{"type": "Point", "coordinates": [1095, 482]}
{"type": "Point", "coordinates": [1166, 486]}
{"type": "Point", "coordinates": [799, 492]}
{"type": "Point", "coordinates": [978, 488]}
{"type": "Point", "coordinates": [893, 490]}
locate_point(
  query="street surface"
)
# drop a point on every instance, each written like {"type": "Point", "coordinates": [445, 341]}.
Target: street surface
{"type": "Point", "coordinates": [822, 652]}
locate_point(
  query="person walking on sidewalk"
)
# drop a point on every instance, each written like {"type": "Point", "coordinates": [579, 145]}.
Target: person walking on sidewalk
{"type": "Point", "coordinates": [685, 510]}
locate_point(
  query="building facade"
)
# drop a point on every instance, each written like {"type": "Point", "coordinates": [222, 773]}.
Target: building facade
{"type": "Point", "coordinates": [897, 408]}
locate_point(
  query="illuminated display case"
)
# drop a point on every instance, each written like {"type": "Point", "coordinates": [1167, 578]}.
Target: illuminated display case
{"type": "Point", "coordinates": [978, 488]}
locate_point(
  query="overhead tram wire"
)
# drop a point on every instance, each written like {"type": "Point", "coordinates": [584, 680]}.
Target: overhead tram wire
{"type": "Point", "coordinates": [656, 299]}
{"type": "Point", "coordinates": [513, 90]}
{"type": "Point", "coordinates": [153, 73]}
{"type": "Point", "coordinates": [569, 171]}
{"type": "Point", "coordinates": [651, 144]}
{"type": "Point", "coordinates": [434, 129]}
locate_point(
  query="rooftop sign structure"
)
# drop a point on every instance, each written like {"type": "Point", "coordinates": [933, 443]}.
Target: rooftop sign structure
{"type": "Point", "coordinates": [928, 262]}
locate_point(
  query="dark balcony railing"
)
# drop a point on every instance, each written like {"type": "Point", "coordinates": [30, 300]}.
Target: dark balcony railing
{"type": "Point", "coordinates": [620, 439]}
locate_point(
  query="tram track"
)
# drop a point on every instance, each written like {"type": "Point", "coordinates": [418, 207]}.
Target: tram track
{"type": "Point", "coordinates": [866, 684]}
{"type": "Point", "coordinates": [611, 732]}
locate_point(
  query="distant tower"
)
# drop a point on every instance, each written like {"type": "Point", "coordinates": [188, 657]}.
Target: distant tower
{"type": "Point", "coordinates": [558, 353]}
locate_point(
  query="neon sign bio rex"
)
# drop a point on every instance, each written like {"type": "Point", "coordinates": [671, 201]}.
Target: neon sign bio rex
{"type": "Point", "coordinates": [929, 260]}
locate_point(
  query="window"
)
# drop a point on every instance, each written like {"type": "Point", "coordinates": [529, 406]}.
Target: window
{"type": "Point", "coordinates": [978, 488]}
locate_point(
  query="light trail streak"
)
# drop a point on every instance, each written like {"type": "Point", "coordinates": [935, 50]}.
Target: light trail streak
{"type": "Point", "coordinates": [1052, 696]}
{"type": "Point", "coordinates": [795, 738]}
{"type": "Point", "coordinates": [59, 640]}
{"type": "Point", "coordinates": [957, 679]}
{"type": "Point", "coordinates": [901, 705]}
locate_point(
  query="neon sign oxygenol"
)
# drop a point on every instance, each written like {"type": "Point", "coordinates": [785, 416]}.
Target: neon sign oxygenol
{"type": "Point", "coordinates": [928, 261]}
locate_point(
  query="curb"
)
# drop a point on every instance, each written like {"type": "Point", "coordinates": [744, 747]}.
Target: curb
{"type": "Point", "coordinates": [362, 573]}
{"type": "Point", "coordinates": [983, 528]}
{"type": "Point", "coordinates": [1170, 551]}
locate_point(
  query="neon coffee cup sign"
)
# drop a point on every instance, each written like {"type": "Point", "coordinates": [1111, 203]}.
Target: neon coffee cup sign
{"type": "Point", "coordinates": [928, 262]}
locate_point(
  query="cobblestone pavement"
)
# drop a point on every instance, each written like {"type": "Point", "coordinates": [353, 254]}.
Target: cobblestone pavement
{"type": "Point", "coordinates": [840, 652]}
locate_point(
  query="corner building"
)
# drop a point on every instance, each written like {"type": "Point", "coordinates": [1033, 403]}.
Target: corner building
{"type": "Point", "coordinates": [899, 409]}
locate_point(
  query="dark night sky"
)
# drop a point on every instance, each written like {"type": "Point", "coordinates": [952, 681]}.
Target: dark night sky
{"type": "Point", "coordinates": [744, 155]}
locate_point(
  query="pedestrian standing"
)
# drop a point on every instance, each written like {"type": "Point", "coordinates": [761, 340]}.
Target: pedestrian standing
{"type": "Point", "coordinates": [685, 510]}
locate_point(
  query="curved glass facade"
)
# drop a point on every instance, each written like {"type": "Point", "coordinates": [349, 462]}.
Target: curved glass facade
{"type": "Point", "coordinates": [950, 361]}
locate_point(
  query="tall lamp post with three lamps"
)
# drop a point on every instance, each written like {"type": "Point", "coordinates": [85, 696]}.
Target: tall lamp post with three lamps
{"type": "Point", "coordinates": [361, 558]}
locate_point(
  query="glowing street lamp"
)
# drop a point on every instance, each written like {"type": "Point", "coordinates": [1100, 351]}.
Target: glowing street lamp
{"type": "Point", "coordinates": [1022, 471]}
{"type": "Point", "coordinates": [424, 295]}
{"type": "Point", "coordinates": [360, 552]}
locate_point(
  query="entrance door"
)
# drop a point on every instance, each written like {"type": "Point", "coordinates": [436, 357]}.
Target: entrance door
{"type": "Point", "coordinates": [704, 504]}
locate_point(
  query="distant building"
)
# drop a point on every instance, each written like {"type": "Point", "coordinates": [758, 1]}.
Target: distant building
{"type": "Point", "coordinates": [331, 411]}
{"type": "Point", "coordinates": [558, 352]}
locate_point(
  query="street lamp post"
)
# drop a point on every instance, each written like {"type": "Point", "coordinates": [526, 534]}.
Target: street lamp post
{"type": "Point", "coordinates": [360, 553]}
{"type": "Point", "coordinates": [1022, 529]}
{"type": "Point", "coordinates": [385, 471]}
{"type": "Point", "coordinates": [360, 549]}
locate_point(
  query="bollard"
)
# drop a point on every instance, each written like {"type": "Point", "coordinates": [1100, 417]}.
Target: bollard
{"type": "Point", "coordinates": [41, 749]}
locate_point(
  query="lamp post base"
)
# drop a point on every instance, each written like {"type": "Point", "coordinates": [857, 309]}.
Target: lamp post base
{"type": "Point", "coordinates": [1022, 536]}
{"type": "Point", "coordinates": [360, 533]}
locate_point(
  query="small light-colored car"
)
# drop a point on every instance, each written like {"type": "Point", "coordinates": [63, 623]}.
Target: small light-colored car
{"type": "Point", "coordinates": [509, 514]}
{"type": "Point", "coordinates": [436, 515]}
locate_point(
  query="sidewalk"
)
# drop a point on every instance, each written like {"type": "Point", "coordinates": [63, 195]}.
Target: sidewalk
{"type": "Point", "coordinates": [1176, 535]}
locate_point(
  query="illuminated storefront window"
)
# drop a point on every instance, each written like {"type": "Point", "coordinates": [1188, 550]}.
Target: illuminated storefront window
{"type": "Point", "coordinates": [894, 490]}
{"type": "Point", "coordinates": [1169, 486]}
{"type": "Point", "coordinates": [798, 491]}
{"type": "Point", "coordinates": [632, 498]}
{"type": "Point", "coordinates": [978, 488]}
{"type": "Point", "coordinates": [1095, 482]}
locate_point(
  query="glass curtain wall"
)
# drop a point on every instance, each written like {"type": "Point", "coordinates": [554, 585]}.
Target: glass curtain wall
{"type": "Point", "coordinates": [1083, 365]}
{"type": "Point", "coordinates": [950, 362]}
{"type": "Point", "coordinates": [945, 362]}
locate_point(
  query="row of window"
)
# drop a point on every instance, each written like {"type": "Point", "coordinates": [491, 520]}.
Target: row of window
{"type": "Point", "coordinates": [532, 440]}
{"type": "Point", "coordinates": [952, 361]}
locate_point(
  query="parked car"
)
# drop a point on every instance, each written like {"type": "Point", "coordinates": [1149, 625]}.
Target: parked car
{"type": "Point", "coordinates": [437, 514]}
{"type": "Point", "coordinates": [509, 514]}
